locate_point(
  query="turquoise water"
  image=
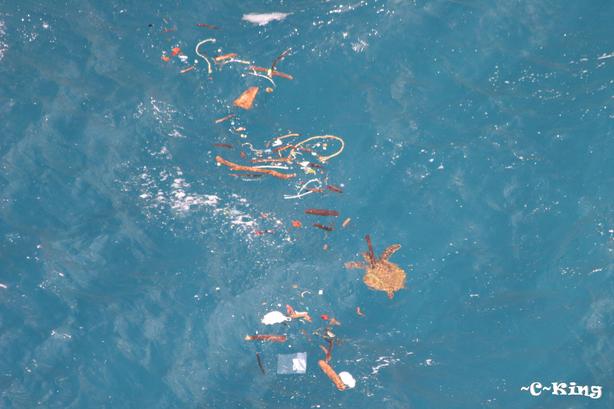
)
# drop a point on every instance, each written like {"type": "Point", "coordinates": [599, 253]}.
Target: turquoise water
{"type": "Point", "coordinates": [479, 136]}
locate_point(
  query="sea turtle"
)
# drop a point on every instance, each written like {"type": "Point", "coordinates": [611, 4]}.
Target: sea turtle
{"type": "Point", "coordinates": [380, 274]}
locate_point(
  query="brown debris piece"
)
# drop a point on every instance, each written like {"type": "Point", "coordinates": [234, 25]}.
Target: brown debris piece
{"type": "Point", "coordinates": [246, 99]}
{"type": "Point", "coordinates": [326, 352]}
{"type": "Point", "coordinates": [280, 57]}
{"type": "Point", "coordinates": [209, 26]}
{"type": "Point", "coordinates": [330, 372]}
{"type": "Point", "coordinates": [323, 227]}
{"type": "Point", "coordinates": [186, 70]}
{"type": "Point", "coordinates": [225, 118]}
{"type": "Point", "coordinates": [223, 145]}
{"type": "Point", "coordinates": [322, 212]}
{"type": "Point", "coordinates": [260, 365]}
{"type": "Point", "coordinates": [335, 189]}
{"type": "Point", "coordinates": [262, 337]}
{"type": "Point", "coordinates": [271, 73]}
{"type": "Point", "coordinates": [282, 75]}
{"type": "Point", "coordinates": [225, 57]}
{"type": "Point", "coordinates": [252, 169]}
{"type": "Point", "coordinates": [296, 314]}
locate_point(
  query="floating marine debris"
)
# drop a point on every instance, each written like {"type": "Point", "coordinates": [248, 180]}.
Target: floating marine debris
{"type": "Point", "coordinates": [330, 372]}
{"type": "Point", "coordinates": [224, 118]}
{"type": "Point", "coordinates": [380, 274]}
{"type": "Point", "coordinates": [274, 317]}
{"type": "Point", "coordinates": [347, 379]}
{"type": "Point", "coordinates": [287, 156]}
{"type": "Point", "coordinates": [297, 314]}
{"type": "Point", "coordinates": [260, 364]}
{"type": "Point", "coordinates": [324, 227]}
{"type": "Point", "coordinates": [263, 19]}
{"type": "Point", "coordinates": [253, 169]}
{"type": "Point", "coordinates": [246, 99]}
{"type": "Point", "coordinates": [204, 56]}
{"type": "Point", "coordinates": [263, 337]}
{"type": "Point", "coordinates": [322, 212]}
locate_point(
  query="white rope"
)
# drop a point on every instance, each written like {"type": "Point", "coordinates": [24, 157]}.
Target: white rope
{"type": "Point", "coordinates": [205, 41]}
{"type": "Point", "coordinates": [303, 190]}
{"type": "Point", "coordinates": [271, 167]}
{"type": "Point", "coordinates": [262, 76]}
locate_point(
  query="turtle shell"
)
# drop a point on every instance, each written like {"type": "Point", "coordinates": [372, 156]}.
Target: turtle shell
{"type": "Point", "coordinates": [385, 276]}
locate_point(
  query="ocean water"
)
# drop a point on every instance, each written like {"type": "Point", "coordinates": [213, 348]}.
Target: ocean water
{"type": "Point", "coordinates": [478, 135]}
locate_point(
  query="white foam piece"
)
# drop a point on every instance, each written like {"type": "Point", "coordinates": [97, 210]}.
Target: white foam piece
{"type": "Point", "coordinates": [274, 317]}
{"type": "Point", "coordinates": [347, 379]}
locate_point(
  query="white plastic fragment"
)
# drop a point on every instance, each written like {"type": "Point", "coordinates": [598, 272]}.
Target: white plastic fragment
{"type": "Point", "coordinates": [274, 317]}
{"type": "Point", "coordinates": [347, 379]}
{"type": "Point", "coordinates": [299, 364]}
{"type": "Point", "coordinates": [264, 18]}
{"type": "Point", "coordinates": [292, 363]}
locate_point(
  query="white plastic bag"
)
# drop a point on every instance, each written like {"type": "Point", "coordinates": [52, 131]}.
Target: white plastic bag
{"type": "Point", "coordinates": [274, 317]}
{"type": "Point", "coordinates": [292, 363]}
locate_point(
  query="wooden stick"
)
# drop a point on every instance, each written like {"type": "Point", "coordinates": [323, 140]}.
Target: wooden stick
{"type": "Point", "coordinates": [227, 117]}
{"type": "Point", "coordinates": [260, 365]}
{"type": "Point", "coordinates": [322, 212]}
{"type": "Point", "coordinates": [323, 227]}
{"type": "Point", "coordinates": [235, 166]}
{"type": "Point", "coordinates": [330, 372]}
{"type": "Point", "coordinates": [225, 57]}
{"type": "Point", "coordinates": [271, 338]}
{"type": "Point", "coordinates": [272, 73]}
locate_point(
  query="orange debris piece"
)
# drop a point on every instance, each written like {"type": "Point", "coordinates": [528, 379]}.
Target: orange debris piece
{"type": "Point", "coordinates": [270, 338]}
{"type": "Point", "coordinates": [176, 51]}
{"type": "Point", "coordinates": [330, 372]}
{"type": "Point", "coordinates": [246, 99]}
{"type": "Point", "coordinates": [297, 314]}
{"type": "Point", "coordinates": [225, 57]}
{"type": "Point", "coordinates": [235, 166]}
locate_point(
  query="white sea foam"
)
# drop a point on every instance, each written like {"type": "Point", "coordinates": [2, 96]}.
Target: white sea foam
{"type": "Point", "coordinates": [3, 45]}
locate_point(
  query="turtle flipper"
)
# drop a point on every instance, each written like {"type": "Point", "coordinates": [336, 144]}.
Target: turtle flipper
{"type": "Point", "coordinates": [355, 264]}
{"type": "Point", "coordinates": [370, 253]}
{"type": "Point", "coordinates": [390, 251]}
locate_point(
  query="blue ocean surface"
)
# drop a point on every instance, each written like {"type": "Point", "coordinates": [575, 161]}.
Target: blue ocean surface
{"type": "Point", "coordinates": [479, 135]}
